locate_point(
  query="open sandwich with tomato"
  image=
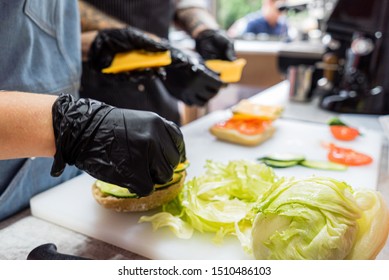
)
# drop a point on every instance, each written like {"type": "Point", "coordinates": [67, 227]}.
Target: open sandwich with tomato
{"type": "Point", "coordinates": [250, 125]}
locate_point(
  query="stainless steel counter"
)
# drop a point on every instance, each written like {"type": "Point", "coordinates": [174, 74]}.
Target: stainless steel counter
{"type": "Point", "coordinates": [23, 232]}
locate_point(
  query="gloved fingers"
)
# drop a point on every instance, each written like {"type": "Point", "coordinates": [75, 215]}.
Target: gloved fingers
{"type": "Point", "coordinates": [203, 97]}
{"type": "Point", "coordinates": [218, 52]}
{"type": "Point", "coordinates": [200, 101]}
{"type": "Point", "coordinates": [163, 156]}
{"type": "Point", "coordinates": [179, 58]}
{"type": "Point", "coordinates": [209, 51]}
{"type": "Point", "coordinates": [230, 53]}
{"type": "Point", "coordinates": [105, 45]}
{"type": "Point", "coordinates": [215, 44]}
{"type": "Point", "coordinates": [136, 178]}
{"type": "Point", "coordinates": [212, 85]}
{"type": "Point", "coordinates": [226, 47]}
{"type": "Point", "coordinates": [178, 139]}
{"type": "Point", "coordinates": [116, 40]}
{"type": "Point", "coordinates": [161, 171]}
{"type": "Point", "coordinates": [143, 41]}
{"type": "Point", "coordinates": [108, 42]}
{"type": "Point", "coordinates": [212, 91]}
{"type": "Point", "coordinates": [141, 181]}
{"type": "Point", "coordinates": [127, 39]}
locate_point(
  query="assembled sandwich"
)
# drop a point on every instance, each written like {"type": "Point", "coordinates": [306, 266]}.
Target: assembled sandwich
{"type": "Point", "coordinates": [250, 125]}
{"type": "Point", "coordinates": [122, 200]}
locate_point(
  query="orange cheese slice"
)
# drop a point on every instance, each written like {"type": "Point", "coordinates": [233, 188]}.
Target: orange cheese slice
{"type": "Point", "coordinates": [129, 61]}
{"type": "Point", "coordinates": [230, 71]}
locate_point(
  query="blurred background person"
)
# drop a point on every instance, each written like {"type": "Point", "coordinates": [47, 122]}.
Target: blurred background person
{"type": "Point", "coordinates": [269, 20]}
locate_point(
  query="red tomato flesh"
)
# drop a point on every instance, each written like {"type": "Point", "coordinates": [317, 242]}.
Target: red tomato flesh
{"type": "Point", "coordinates": [347, 156]}
{"type": "Point", "coordinates": [344, 133]}
{"type": "Point", "coordinates": [246, 126]}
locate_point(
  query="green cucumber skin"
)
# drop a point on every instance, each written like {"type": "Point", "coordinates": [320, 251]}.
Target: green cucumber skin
{"type": "Point", "coordinates": [323, 165]}
{"type": "Point", "coordinates": [280, 164]}
{"type": "Point", "coordinates": [287, 157]}
{"type": "Point", "coordinates": [289, 160]}
{"type": "Point", "coordinates": [176, 178]}
{"type": "Point", "coordinates": [185, 165]}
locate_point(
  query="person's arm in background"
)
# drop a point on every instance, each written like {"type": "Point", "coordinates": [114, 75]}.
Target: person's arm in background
{"type": "Point", "coordinates": [196, 20]}
{"type": "Point", "coordinates": [93, 20]}
{"type": "Point", "coordinates": [196, 85]}
{"type": "Point", "coordinates": [26, 125]}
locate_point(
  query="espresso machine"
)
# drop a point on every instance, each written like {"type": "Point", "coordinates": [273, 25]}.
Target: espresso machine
{"type": "Point", "coordinates": [356, 60]}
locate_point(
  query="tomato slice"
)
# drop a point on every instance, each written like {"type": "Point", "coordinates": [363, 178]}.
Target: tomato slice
{"type": "Point", "coordinates": [344, 133]}
{"type": "Point", "coordinates": [246, 126]}
{"type": "Point", "coordinates": [347, 156]}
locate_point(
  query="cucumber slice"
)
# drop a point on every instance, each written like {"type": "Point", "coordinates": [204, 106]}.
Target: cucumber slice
{"type": "Point", "coordinates": [117, 191]}
{"type": "Point", "coordinates": [324, 165]}
{"type": "Point", "coordinates": [114, 190]}
{"type": "Point", "coordinates": [286, 157]}
{"type": "Point", "coordinates": [176, 178]}
{"type": "Point", "coordinates": [182, 166]}
{"type": "Point", "coordinates": [280, 164]}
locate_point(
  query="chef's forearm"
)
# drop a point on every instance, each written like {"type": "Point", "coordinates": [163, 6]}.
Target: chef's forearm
{"type": "Point", "coordinates": [26, 125]}
{"type": "Point", "coordinates": [195, 20]}
{"type": "Point", "coordinates": [94, 19]}
{"type": "Point", "coordinates": [87, 39]}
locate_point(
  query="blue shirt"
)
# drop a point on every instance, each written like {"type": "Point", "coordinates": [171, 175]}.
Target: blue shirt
{"type": "Point", "coordinates": [260, 25]}
{"type": "Point", "coordinates": [40, 51]}
{"type": "Point", "coordinates": [40, 46]}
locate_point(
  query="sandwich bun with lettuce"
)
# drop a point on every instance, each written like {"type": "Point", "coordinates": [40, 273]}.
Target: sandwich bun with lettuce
{"type": "Point", "coordinates": [122, 200]}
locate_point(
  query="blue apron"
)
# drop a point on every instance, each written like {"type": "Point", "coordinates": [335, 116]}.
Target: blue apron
{"type": "Point", "coordinates": [40, 52]}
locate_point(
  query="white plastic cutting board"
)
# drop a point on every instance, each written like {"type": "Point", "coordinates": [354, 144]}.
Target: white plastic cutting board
{"type": "Point", "coordinates": [291, 137]}
{"type": "Point", "coordinates": [72, 206]}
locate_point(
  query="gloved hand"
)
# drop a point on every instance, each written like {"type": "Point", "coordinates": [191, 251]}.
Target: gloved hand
{"type": "Point", "coordinates": [189, 80]}
{"type": "Point", "coordinates": [111, 41]}
{"type": "Point", "coordinates": [129, 148]}
{"type": "Point", "coordinates": [215, 44]}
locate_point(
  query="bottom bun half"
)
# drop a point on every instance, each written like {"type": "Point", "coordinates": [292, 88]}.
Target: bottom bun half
{"type": "Point", "coordinates": [234, 136]}
{"type": "Point", "coordinates": [152, 201]}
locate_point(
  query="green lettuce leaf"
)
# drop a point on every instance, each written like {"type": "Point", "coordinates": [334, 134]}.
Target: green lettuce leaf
{"type": "Point", "coordinates": [216, 201]}
{"type": "Point", "coordinates": [278, 218]}
{"type": "Point", "coordinates": [314, 218]}
{"type": "Point", "coordinates": [373, 226]}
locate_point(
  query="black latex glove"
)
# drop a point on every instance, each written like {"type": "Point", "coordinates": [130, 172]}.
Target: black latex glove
{"type": "Point", "coordinates": [189, 80]}
{"type": "Point", "coordinates": [129, 148]}
{"type": "Point", "coordinates": [111, 41]}
{"type": "Point", "coordinates": [215, 44]}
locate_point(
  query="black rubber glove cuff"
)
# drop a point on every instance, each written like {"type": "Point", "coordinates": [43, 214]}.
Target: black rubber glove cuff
{"type": "Point", "coordinates": [70, 120]}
